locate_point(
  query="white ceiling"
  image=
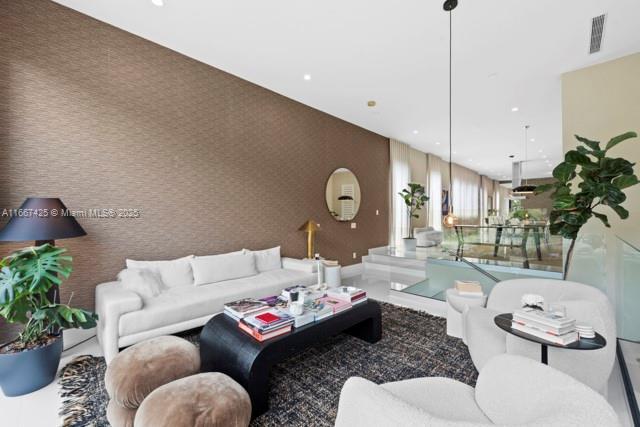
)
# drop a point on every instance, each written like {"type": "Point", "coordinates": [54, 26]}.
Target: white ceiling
{"type": "Point", "coordinates": [507, 53]}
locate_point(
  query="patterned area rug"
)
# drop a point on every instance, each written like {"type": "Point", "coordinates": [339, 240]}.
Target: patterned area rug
{"type": "Point", "coordinates": [306, 388]}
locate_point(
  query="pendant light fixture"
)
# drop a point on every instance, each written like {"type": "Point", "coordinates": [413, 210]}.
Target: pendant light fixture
{"type": "Point", "coordinates": [524, 188]}
{"type": "Point", "coordinates": [450, 219]}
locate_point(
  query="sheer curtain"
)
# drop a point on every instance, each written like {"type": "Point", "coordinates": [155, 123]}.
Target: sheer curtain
{"type": "Point", "coordinates": [466, 195]}
{"type": "Point", "coordinates": [502, 200]}
{"type": "Point", "coordinates": [418, 174]}
{"type": "Point", "coordinates": [434, 190]}
{"type": "Point", "coordinates": [486, 191]}
{"type": "Point", "coordinates": [398, 179]}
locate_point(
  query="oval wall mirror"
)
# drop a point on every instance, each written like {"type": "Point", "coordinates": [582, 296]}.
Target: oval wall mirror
{"type": "Point", "coordinates": [343, 195]}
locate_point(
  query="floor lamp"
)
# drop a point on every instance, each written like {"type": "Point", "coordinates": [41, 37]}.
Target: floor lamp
{"type": "Point", "coordinates": [43, 219]}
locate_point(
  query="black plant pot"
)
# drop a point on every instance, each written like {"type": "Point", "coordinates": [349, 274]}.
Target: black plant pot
{"type": "Point", "coordinates": [30, 370]}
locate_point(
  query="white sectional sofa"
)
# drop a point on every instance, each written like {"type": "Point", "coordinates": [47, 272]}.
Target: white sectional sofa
{"type": "Point", "coordinates": [128, 315]}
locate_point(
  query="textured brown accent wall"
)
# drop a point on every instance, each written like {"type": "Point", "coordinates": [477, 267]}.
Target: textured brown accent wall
{"type": "Point", "coordinates": [105, 119]}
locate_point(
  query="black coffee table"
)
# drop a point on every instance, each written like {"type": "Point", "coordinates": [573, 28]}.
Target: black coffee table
{"type": "Point", "coordinates": [504, 322]}
{"type": "Point", "coordinates": [225, 348]}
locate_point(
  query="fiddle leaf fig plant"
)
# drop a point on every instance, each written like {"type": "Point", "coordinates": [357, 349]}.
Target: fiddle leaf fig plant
{"type": "Point", "coordinates": [26, 278]}
{"type": "Point", "coordinates": [414, 198]}
{"type": "Point", "coordinates": [600, 181]}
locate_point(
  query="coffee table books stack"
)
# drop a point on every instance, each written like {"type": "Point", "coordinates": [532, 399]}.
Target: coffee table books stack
{"type": "Point", "coordinates": [268, 324]}
{"type": "Point", "coordinates": [245, 307]}
{"type": "Point", "coordinates": [350, 294]}
{"type": "Point", "coordinates": [271, 316]}
{"type": "Point", "coordinates": [546, 326]}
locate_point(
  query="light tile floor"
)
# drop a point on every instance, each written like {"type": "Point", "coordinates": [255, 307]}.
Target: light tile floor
{"type": "Point", "coordinates": [40, 409]}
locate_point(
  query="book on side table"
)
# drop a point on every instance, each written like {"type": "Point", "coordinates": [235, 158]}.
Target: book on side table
{"type": "Point", "coordinates": [544, 325]}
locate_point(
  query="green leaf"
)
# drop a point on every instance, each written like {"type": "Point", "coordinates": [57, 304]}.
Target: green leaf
{"type": "Point", "coordinates": [618, 139]}
{"type": "Point", "coordinates": [576, 158]}
{"type": "Point", "coordinates": [564, 172]}
{"type": "Point", "coordinates": [602, 218]}
{"type": "Point", "coordinates": [614, 196]}
{"type": "Point", "coordinates": [625, 181]}
{"type": "Point", "coordinates": [610, 167]}
{"type": "Point", "coordinates": [594, 145]}
{"type": "Point", "coordinates": [564, 202]}
{"type": "Point", "coordinates": [622, 212]}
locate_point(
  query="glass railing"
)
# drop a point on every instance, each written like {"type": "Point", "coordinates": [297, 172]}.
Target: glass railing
{"type": "Point", "coordinates": [444, 267]}
{"type": "Point", "coordinates": [628, 292]}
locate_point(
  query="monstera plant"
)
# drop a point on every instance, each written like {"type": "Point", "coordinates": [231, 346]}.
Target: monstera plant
{"type": "Point", "coordinates": [588, 180]}
{"type": "Point", "coordinates": [29, 280]}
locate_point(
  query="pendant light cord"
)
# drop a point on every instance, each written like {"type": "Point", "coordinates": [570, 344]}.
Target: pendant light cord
{"type": "Point", "coordinates": [450, 116]}
{"type": "Point", "coordinates": [526, 154]}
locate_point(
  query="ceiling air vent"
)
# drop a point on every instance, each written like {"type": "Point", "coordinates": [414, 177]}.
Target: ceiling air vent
{"type": "Point", "coordinates": [597, 28]}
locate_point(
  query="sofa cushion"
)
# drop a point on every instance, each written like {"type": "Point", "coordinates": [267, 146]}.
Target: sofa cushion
{"type": "Point", "coordinates": [191, 302]}
{"type": "Point", "coordinates": [144, 282]}
{"type": "Point", "coordinates": [267, 259]}
{"type": "Point", "coordinates": [218, 268]}
{"type": "Point", "coordinates": [174, 273]}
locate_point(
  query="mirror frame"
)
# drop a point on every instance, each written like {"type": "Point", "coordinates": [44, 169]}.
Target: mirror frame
{"type": "Point", "coordinates": [326, 183]}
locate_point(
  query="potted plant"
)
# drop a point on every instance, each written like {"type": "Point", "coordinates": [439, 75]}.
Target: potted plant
{"type": "Point", "coordinates": [600, 181]}
{"type": "Point", "coordinates": [29, 279]}
{"type": "Point", "coordinates": [414, 198]}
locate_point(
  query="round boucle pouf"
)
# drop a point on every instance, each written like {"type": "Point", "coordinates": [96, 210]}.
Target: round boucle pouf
{"type": "Point", "coordinates": [204, 400]}
{"type": "Point", "coordinates": [143, 367]}
{"type": "Point", "coordinates": [119, 416]}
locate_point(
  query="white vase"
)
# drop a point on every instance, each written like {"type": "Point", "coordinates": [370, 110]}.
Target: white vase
{"type": "Point", "coordinates": [409, 244]}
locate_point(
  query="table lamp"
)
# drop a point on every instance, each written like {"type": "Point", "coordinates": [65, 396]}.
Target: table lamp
{"type": "Point", "coordinates": [310, 227]}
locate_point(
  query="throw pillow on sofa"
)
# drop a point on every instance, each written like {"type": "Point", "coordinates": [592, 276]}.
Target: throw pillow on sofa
{"type": "Point", "coordinates": [146, 283]}
{"type": "Point", "coordinates": [267, 259]}
{"type": "Point", "coordinates": [218, 268]}
{"type": "Point", "coordinates": [173, 273]}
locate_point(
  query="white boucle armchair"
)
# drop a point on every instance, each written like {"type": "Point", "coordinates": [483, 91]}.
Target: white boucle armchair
{"type": "Point", "coordinates": [585, 303]}
{"type": "Point", "coordinates": [511, 390]}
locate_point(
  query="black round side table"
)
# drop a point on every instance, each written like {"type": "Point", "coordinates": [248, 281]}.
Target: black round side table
{"type": "Point", "coordinates": [504, 322]}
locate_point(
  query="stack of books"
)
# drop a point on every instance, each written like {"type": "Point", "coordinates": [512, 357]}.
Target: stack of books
{"type": "Point", "coordinates": [301, 319]}
{"type": "Point", "coordinates": [319, 309]}
{"type": "Point", "coordinates": [469, 288]}
{"type": "Point", "coordinates": [348, 293]}
{"type": "Point", "coordinates": [337, 305]}
{"type": "Point", "coordinates": [547, 326]}
{"type": "Point", "coordinates": [266, 325]}
{"type": "Point", "coordinates": [245, 307]}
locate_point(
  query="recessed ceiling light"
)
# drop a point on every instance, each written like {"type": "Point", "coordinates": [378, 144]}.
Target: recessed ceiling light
{"type": "Point", "coordinates": [532, 140]}
{"type": "Point", "coordinates": [306, 76]}
{"type": "Point", "coordinates": [514, 109]}
{"type": "Point", "coordinates": [371, 103]}
{"type": "Point", "coordinates": [415, 132]}
{"type": "Point", "coordinates": [158, 3]}
{"type": "Point", "coordinates": [540, 150]}
{"type": "Point", "coordinates": [544, 156]}
{"type": "Point", "coordinates": [437, 143]}
{"type": "Point", "coordinates": [455, 152]}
